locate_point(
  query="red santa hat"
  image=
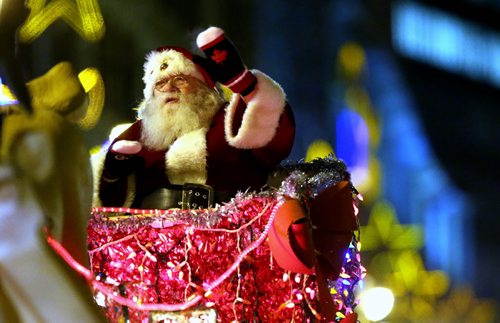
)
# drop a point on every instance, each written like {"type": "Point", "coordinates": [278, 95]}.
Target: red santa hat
{"type": "Point", "coordinates": [168, 61]}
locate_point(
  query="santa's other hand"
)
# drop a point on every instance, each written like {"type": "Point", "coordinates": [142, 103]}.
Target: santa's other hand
{"type": "Point", "coordinates": [123, 159]}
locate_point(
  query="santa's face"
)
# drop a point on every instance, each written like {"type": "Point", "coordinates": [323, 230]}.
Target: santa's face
{"type": "Point", "coordinates": [171, 90]}
{"type": "Point", "coordinates": [179, 104]}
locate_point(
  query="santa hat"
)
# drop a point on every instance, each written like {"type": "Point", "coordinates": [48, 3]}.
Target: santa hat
{"type": "Point", "coordinates": [168, 61]}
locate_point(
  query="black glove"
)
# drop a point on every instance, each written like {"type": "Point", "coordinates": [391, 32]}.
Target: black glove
{"type": "Point", "coordinates": [118, 165]}
{"type": "Point", "coordinates": [226, 62]}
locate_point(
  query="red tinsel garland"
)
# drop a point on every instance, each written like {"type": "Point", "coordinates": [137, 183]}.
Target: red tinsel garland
{"type": "Point", "coordinates": [180, 258]}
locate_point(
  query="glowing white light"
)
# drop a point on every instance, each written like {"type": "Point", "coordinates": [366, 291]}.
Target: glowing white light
{"type": "Point", "coordinates": [376, 303]}
{"type": "Point", "coordinates": [100, 299]}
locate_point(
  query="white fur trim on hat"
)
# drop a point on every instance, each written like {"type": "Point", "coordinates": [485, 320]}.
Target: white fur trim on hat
{"type": "Point", "coordinates": [261, 117]}
{"type": "Point", "coordinates": [186, 160]}
{"type": "Point", "coordinates": [176, 63]}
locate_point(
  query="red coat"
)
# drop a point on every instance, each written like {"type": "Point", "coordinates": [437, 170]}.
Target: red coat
{"type": "Point", "coordinates": [243, 143]}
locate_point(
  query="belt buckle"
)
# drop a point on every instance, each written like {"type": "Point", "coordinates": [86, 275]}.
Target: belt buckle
{"type": "Point", "coordinates": [197, 196]}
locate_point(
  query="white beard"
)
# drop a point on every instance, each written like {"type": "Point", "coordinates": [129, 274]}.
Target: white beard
{"type": "Point", "coordinates": [163, 123]}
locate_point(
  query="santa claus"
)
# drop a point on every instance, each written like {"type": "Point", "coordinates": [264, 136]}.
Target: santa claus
{"type": "Point", "coordinates": [190, 148]}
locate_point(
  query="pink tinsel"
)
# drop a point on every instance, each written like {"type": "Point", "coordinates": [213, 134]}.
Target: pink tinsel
{"type": "Point", "coordinates": [216, 258]}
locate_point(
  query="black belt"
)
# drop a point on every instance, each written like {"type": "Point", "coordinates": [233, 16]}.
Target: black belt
{"type": "Point", "coordinates": [187, 196]}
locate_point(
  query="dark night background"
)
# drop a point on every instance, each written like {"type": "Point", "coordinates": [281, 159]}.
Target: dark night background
{"type": "Point", "coordinates": [296, 43]}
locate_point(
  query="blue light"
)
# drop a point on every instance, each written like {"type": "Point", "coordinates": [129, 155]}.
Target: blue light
{"type": "Point", "coordinates": [352, 143]}
{"type": "Point", "coordinates": [442, 40]}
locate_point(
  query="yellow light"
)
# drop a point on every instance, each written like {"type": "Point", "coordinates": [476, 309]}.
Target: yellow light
{"type": "Point", "coordinates": [84, 17]}
{"type": "Point", "coordinates": [434, 283]}
{"type": "Point", "coordinates": [384, 230]}
{"type": "Point", "coordinates": [376, 303]}
{"type": "Point", "coordinates": [352, 59]}
{"type": "Point", "coordinates": [89, 78]}
{"type": "Point", "coordinates": [92, 83]}
{"type": "Point", "coordinates": [6, 96]}
{"type": "Point", "coordinates": [318, 149]}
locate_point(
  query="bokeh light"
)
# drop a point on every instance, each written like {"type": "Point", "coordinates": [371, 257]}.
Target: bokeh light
{"type": "Point", "coordinates": [376, 303]}
{"type": "Point", "coordinates": [6, 96]}
{"type": "Point", "coordinates": [93, 84]}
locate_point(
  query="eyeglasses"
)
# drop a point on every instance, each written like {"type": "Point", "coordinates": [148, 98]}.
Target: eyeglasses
{"type": "Point", "coordinates": [177, 81]}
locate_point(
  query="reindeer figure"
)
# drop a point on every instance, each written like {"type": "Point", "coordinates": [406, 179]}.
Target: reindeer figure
{"type": "Point", "coordinates": [45, 183]}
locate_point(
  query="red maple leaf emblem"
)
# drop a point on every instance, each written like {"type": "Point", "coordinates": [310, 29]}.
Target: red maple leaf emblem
{"type": "Point", "coordinates": [219, 56]}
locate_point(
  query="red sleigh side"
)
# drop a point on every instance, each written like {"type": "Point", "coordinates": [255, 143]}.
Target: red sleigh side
{"type": "Point", "coordinates": [238, 260]}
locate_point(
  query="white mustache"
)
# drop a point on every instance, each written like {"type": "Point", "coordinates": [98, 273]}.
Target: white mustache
{"type": "Point", "coordinates": [168, 98]}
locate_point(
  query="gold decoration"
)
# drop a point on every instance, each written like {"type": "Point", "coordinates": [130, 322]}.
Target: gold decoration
{"type": "Point", "coordinates": [84, 17]}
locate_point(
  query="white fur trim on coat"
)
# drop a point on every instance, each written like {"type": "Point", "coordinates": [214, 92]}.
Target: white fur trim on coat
{"type": "Point", "coordinates": [186, 160]}
{"type": "Point", "coordinates": [261, 117]}
{"type": "Point", "coordinates": [176, 63]}
{"type": "Point", "coordinates": [97, 162]}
